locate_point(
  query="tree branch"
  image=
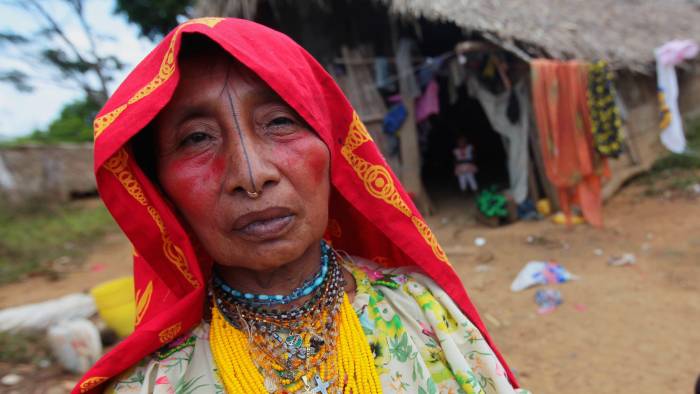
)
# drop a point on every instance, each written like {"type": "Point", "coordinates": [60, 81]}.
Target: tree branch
{"type": "Point", "coordinates": [55, 27]}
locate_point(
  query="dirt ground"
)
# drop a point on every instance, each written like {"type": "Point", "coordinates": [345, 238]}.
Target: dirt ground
{"type": "Point", "coordinates": [631, 329]}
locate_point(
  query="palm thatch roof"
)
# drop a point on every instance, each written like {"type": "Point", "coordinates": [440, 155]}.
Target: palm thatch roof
{"type": "Point", "coordinates": [624, 32]}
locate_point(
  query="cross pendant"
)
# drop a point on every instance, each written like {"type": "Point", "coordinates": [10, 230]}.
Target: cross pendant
{"type": "Point", "coordinates": [320, 388]}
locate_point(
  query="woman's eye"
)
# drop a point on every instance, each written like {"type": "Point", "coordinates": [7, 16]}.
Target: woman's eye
{"type": "Point", "coordinates": [195, 138]}
{"type": "Point", "coordinates": [280, 121]}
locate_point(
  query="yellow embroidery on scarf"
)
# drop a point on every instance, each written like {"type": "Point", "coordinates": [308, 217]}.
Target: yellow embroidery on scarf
{"type": "Point", "coordinates": [429, 237]}
{"type": "Point", "coordinates": [379, 183]}
{"type": "Point", "coordinates": [91, 383]}
{"type": "Point", "coordinates": [117, 165]}
{"type": "Point", "coordinates": [167, 67]}
{"type": "Point", "coordinates": [376, 178]}
{"type": "Point", "coordinates": [143, 299]}
{"type": "Point", "coordinates": [169, 333]}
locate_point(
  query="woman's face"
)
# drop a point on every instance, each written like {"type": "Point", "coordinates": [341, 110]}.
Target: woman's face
{"type": "Point", "coordinates": [220, 113]}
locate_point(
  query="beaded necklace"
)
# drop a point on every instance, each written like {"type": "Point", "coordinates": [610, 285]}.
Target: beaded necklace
{"type": "Point", "coordinates": [318, 347]}
{"type": "Point", "coordinates": [304, 290]}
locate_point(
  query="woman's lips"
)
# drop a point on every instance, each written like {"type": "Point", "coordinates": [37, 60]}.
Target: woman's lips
{"type": "Point", "coordinates": [264, 225]}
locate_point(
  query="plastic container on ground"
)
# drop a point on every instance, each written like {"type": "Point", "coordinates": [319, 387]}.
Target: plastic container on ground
{"type": "Point", "coordinates": [75, 344]}
{"type": "Point", "coordinates": [116, 305]}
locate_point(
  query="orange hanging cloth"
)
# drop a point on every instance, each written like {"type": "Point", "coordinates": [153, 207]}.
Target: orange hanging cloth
{"type": "Point", "coordinates": [559, 94]}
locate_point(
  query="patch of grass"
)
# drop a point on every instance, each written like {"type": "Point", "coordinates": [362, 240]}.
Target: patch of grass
{"type": "Point", "coordinates": [37, 234]}
{"type": "Point", "coordinates": [23, 348]}
{"type": "Point", "coordinates": [676, 171]}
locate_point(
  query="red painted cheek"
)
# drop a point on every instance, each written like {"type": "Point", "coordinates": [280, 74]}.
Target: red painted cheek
{"type": "Point", "coordinates": [191, 183]}
{"type": "Point", "coordinates": [317, 163]}
{"type": "Point", "coordinates": [308, 156]}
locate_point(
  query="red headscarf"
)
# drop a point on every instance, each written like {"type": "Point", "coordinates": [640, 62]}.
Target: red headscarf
{"type": "Point", "coordinates": [370, 213]}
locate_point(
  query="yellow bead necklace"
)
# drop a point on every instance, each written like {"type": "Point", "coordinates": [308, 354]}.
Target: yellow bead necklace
{"type": "Point", "coordinates": [350, 369]}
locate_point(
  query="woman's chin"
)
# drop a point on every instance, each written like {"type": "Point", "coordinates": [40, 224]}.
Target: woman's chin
{"type": "Point", "coordinates": [267, 256]}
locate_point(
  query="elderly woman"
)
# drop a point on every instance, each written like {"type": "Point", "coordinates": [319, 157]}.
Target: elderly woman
{"type": "Point", "coordinates": [274, 251]}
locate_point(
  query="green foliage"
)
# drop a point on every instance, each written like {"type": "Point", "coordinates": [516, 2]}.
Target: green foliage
{"type": "Point", "coordinates": [34, 236]}
{"type": "Point", "coordinates": [74, 124]}
{"type": "Point", "coordinates": [676, 171]}
{"type": "Point", "coordinates": [23, 347]}
{"type": "Point", "coordinates": [687, 161]}
{"type": "Point", "coordinates": [154, 18]}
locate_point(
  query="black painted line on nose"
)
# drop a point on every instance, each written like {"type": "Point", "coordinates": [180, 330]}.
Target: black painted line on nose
{"type": "Point", "coordinates": [237, 125]}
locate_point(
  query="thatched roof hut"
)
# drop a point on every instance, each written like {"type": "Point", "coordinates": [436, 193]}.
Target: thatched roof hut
{"type": "Point", "coordinates": [624, 32]}
{"type": "Point", "coordinates": [353, 34]}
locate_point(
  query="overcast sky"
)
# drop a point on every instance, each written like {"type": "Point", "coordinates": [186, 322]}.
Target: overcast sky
{"type": "Point", "coordinates": [20, 113]}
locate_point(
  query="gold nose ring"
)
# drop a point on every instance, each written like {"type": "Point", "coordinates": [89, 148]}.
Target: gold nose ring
{"type": "Point", "coordinates": [253, 195]}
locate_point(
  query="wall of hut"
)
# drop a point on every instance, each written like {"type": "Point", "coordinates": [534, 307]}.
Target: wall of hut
{"type": "Point", "coordinates": [640, 100]}
{"type": "Point", "coordinates": [45, 173]}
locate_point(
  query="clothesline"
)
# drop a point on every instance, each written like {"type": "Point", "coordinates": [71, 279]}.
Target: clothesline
{"type": "Point", "coordinates": [396, 77]}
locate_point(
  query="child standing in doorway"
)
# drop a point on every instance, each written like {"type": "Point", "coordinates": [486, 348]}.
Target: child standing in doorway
{"type": "Point", "coordinates": [465, 169]}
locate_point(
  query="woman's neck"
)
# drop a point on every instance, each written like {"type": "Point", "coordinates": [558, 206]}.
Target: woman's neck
{"type": "Point", "coordinates": [280, 280]}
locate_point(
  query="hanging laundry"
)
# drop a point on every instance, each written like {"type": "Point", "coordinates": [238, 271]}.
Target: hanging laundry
{"type": "Point", "coordinates": [382, 74]}
{"type": "Point", "coordinates": [394, 118]}
{"type": "Point", "coordinates": [455, 78]}
{"type": "Point", "coordinates": [559, 97]}
{"type": "Point", "coordinates": [429, 103]}
{"type": "Point", "coordinates": [606, 123]}
{"type": "Point", "coordinates": [430, 67]}
{"type": "Point", "coordinates": [671, 123]}
{"type": "Point", "coordinates": [515, 134]}
{"type": "Point", "coordinates": [427, 71]}
{"type": "Point", "coordinates": [513, 110]}
{"type": "Point", "coordinates": [676, 52]}
{"type": "Point", "coordinates": [491, 74]}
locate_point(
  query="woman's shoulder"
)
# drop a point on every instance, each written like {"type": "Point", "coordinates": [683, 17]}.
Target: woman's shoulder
{"type": "Point", "coordinates": [403, 279]}
{"type": "Point", "coordinates": [183, 362]}
{"type": "Point", "coordinates": [414, 327]}
{"type": "Point", "coordinates": [407, 288]}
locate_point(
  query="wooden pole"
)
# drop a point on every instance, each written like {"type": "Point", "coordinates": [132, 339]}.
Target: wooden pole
{"type": "Point", "coordinates": [409, 143]}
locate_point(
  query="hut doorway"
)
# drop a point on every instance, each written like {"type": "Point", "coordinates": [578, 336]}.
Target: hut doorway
{"type": "Point", "coordinates": [464, 117]}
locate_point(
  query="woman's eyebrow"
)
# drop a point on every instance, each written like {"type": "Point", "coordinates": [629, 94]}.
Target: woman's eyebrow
{"type": "Point", "coordinates": [194, 111]}
{"type": "Point", "coordinates": [261, 95]}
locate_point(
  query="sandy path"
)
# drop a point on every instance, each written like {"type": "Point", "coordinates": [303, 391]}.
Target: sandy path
{"type": "Point", "coordinates": [110, 259]}
{"type": "Point", "coordinates": [627, 329]}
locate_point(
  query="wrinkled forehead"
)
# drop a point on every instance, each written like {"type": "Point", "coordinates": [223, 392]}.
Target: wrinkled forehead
{"type": "Point", "coordinates": [202, 58]}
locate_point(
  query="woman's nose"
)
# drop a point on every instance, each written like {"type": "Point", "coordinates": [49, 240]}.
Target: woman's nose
{"type": "Point", "coordinates": [251, 163]}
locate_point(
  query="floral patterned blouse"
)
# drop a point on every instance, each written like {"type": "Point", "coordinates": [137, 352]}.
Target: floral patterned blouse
{"type": "Point", "coordinates": [421, 341]}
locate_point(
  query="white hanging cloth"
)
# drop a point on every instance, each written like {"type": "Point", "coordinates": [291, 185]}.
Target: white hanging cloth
{"type": "Point", "coordinates": [667, 56]}
{"type": "Point", "coordinates": [515, 135]}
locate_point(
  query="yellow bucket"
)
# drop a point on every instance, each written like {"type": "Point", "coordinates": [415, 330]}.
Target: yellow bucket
{"type": "Point", "coordinates": [560, 218]}
{"type": "Point", "coordinates": [115, 304]}
{"type": "Point", "coordinates": [543, 207]}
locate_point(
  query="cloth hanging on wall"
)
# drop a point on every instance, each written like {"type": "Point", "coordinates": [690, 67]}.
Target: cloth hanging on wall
{"type": "Point", "coordinates": [429, 103]}
{"type": "Point", "coordinates": [382, 73]}
{"type": "Point", "coordinates": [606, 122]}
{"type": "Point", "coordinates": [455, 78]}
{"type": "Point", "coordinates": [515, 134]}
{"type": "Point", "coordinates": [671, 123]}
{"type": "Point", "coordinates": [394, 118]}
{"type": "Point", "coordinates": [559, 97]}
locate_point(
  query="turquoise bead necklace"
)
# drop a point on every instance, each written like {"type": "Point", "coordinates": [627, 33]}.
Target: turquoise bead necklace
{"type": "Point", "coordinates": [306, 288]}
